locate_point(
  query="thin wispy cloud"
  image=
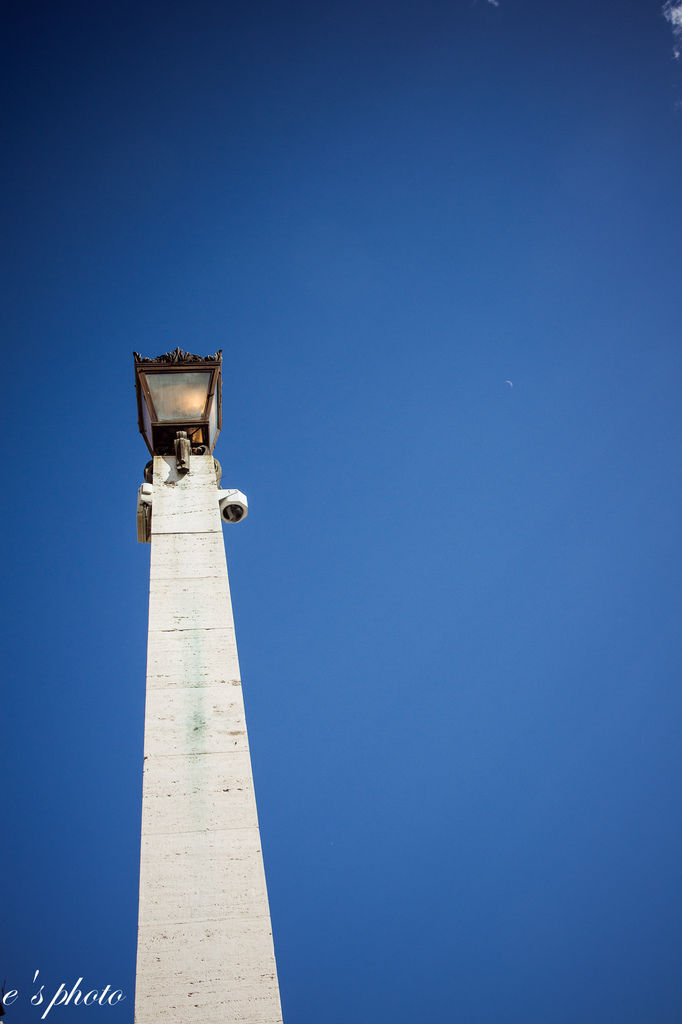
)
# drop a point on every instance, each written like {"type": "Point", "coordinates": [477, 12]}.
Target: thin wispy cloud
{"type": "Point", "coordinates": [672, 10]}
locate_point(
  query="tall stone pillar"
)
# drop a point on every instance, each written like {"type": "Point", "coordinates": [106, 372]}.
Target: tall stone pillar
{"type": "Point", "coordinates": [205, 951]}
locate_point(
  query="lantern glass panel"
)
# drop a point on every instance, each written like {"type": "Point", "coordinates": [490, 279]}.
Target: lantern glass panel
{"type": "Point", "coordinates": [213, 420]}
{"type": "Point", "coordinates": [179, 396]}
{"type": "Point", "coordinates": [146, 423]}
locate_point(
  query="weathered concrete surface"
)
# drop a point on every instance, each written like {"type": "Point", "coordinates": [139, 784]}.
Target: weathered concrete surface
{"type": "Point", "coordinates": [205, 951]}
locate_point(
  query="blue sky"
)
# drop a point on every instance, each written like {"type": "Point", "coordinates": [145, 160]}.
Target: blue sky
{"type": "Point", "coordinates": [457, 602]}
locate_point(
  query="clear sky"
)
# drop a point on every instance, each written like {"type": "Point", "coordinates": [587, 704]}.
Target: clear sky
{"type": "Point", "coordinates": [457, 599]}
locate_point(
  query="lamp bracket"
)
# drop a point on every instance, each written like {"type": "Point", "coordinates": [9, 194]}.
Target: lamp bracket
{"type": "Point", "coordinates": [183, 450]}
{"type": "Point", "coordinates": [144, 513]}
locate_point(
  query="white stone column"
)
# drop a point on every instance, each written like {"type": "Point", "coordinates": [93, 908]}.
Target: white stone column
{"type": "Point", "coordinates": [205, 951]}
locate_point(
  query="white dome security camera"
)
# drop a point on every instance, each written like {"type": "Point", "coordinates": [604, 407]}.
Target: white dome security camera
{"type": "Point", "coordinates": [233, 506]}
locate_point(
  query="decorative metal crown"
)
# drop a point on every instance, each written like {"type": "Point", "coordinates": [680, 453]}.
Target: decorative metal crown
{"type": "Point", "coordinates": [179, 356]}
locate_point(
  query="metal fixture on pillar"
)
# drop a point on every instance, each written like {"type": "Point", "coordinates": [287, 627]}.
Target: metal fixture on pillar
{"type": "Point", "coordinates": [179, 412]}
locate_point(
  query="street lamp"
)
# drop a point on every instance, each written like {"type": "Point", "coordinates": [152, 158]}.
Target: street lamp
{"type": "Point", "coordinates": [205, 951]}
{"type": "Point", "coordinates": [179, 392]}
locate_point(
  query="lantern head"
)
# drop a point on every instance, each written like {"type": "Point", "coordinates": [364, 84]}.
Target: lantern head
{"type": "Point", "coordinates": [179, 391]}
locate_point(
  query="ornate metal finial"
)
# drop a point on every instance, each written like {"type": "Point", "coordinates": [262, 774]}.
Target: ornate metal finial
{"type": "Point", "coordinates": [180, 356]}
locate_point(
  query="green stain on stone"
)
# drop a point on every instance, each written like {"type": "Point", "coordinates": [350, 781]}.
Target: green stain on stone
{"type": "Point", "coordinates": [197, 723]}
